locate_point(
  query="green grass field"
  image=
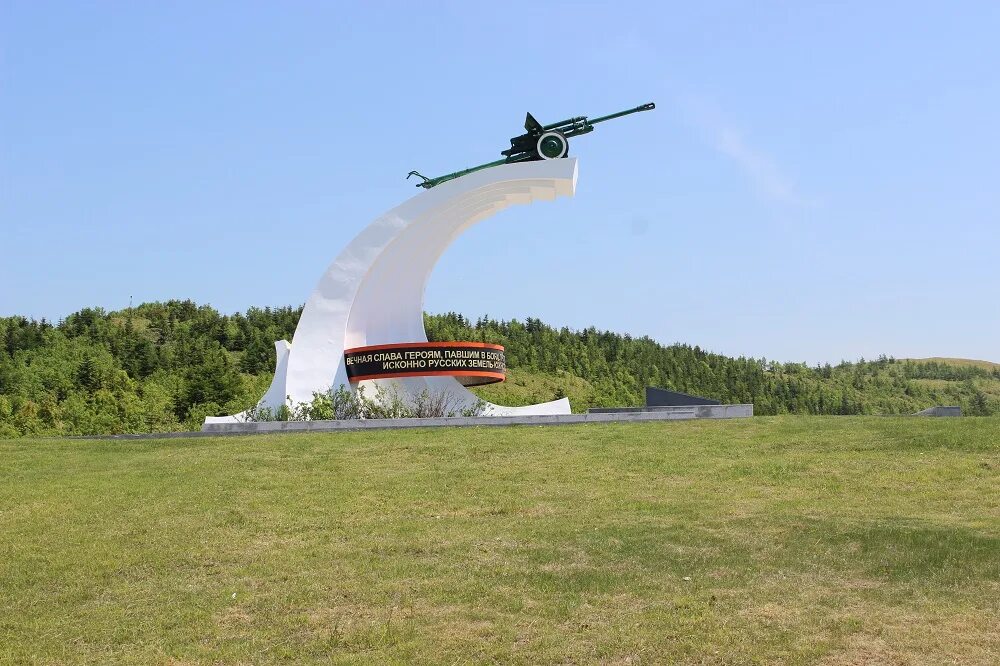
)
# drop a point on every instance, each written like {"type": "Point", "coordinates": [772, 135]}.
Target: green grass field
{"type": "Point", "coordinates": [833, 540]}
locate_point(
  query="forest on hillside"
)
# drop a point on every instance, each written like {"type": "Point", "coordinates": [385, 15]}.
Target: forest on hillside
{"type": "Point", "coordinates": [165, 366]}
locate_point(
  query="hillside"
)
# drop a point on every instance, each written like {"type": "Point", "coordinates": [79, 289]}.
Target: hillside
{"type": "Point", "coordinates": [960, 362]}
{"type": "Point", "coordinates": [776, 540]}
{"type": "Point", "coordinates": [601, 368]}
{"type": "Point", "coordinates": [165, 366]}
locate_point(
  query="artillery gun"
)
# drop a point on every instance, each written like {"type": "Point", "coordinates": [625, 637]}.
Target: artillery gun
{"type": "Point", "coordinates": [539, 142]}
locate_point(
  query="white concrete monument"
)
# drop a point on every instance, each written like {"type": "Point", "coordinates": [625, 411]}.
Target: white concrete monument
{"type": "Point", "coordinates": [364, 323]}
{"type": "Point", "coordinates": [372, 295]}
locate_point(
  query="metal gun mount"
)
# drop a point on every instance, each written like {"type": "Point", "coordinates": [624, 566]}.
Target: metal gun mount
{"type": "Point", "coordinates": [539, 142]}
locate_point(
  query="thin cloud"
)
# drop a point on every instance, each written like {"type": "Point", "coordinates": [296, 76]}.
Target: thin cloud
{"type": "Point", "coordinates": [768, 179]}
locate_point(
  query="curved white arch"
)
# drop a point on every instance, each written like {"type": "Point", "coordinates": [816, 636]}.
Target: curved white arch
{"type": "Point", "coordinates": [373, 292]}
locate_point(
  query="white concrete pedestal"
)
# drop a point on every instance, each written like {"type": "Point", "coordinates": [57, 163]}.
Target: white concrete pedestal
{"type": "Point", "coordinates": [373, 292]}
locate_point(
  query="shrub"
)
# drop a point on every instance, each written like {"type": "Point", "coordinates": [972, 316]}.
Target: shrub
{"type": "Point", "coordinates": [344, 404]}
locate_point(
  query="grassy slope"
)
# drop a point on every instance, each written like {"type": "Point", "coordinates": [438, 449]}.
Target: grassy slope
{"type": "Point", "coordinates": [986, 365]}
{"type": "Point", "coordinates": [846, 540]}
{"type": "Point", "coordinates": [526, 387]}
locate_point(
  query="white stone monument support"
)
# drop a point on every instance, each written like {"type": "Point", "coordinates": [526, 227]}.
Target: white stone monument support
{"type": "Point", "coordinates": [373, 292]}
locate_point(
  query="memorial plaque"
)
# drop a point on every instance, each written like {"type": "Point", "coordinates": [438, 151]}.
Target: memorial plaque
{"type": "Point", "coordinates": [471, 363]}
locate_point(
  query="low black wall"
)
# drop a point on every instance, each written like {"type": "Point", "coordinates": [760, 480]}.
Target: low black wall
{"type": "Point", "coordinates": [657, 397]}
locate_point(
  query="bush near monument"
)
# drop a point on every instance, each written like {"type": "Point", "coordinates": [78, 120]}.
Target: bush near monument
{"type": "Point", "coordinates": [385, 402]}
{"type": "Point", "coordinates": [165, 366]}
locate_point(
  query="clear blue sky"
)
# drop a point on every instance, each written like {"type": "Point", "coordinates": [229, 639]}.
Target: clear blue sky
{"type": "Point", "coordinates": [820, 181]}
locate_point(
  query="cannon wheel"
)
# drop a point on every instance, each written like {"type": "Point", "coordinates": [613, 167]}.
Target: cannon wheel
{"type": "Point", "coordinates": [552, 145]}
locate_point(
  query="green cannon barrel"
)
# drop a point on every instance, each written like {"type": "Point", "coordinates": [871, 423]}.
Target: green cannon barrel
{"type": "Point", "coordinates": [645, 107]}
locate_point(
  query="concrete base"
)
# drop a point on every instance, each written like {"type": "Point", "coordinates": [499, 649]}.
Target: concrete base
{"type": "Point", "coordinates": [656, 414]}
{"type": "Point", "coordinates": [657, 408]}
{"type": "Point", "coordinates": [940, 411]}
